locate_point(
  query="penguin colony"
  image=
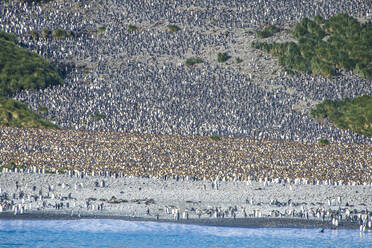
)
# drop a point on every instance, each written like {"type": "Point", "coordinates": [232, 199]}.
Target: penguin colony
{"type": "Point", "coordinates": [76, 195]}
{"type": "Point", "coordinates": [137, 81]}
{"type": "Point", "coordinates": [176, 156]}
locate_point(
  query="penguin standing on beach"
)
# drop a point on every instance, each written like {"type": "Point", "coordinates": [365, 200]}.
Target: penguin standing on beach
{"type": "Point", "coordinates": [244, 213]}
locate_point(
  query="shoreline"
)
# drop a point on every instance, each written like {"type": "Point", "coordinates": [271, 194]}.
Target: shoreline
{"type": "Point", "coordinates": [264, 222]}
{"type": "Point", "coordinates": [218, 203]}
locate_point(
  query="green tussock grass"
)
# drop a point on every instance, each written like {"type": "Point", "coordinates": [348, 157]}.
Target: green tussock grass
{"type": "Point", "coordinates": [193, 61]}
{"type": "Point", "coordinates": [267, 31]}
{"type": "Point", "coordinates": [222, 57]}
{"type": "Point", "coordinates": [354, 114]}
{"type": "Point", "coordinates": [132, 28]}
{"type": "Point", "coordinates": [16, 114]}
{"type": "Point", "coordinates": [324, 46]}
{"type": "Point", "coordinates": [173, 28]}
{"type": "Point", "coordinates": [21, 69]}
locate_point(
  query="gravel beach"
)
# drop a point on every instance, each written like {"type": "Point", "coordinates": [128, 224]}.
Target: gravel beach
{"type": "Point", "coordinates": [50, 196]}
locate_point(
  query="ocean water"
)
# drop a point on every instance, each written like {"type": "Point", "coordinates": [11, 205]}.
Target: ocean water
{"type": "Point", "coordinates": [120, 233]}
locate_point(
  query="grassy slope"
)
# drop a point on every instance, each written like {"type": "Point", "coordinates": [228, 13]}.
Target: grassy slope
{"type": "Point", "coordinates": [16, 114]}
{"type": "Point", "coordinates": [324, 45]}
{"type": "Point", "coordinates": [354, 114]}
{"type": "Point", "coordinates": [267, 31]}
{"type": "Point", "coordinates": [22, 69]}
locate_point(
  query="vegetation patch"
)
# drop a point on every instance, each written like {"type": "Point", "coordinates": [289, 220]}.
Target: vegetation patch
{"type": "Point", "coordinates": [323, 142]}
{"type": "Point", "coordinates": [98, 116]}
{"type": "Point", "coordinates": [222, 57]}
{"type": "Point", "coordinates": [238, 60]}
{"type": "Point", "coordinates": [323, 46]}
{"type": "Point", "coordinates": [101, 29]}
{"type": "Point", "coordinates": [354, 114]}
{"type": "Point", "coordinates": [193, 61]}
{"type": "Point", "coordinates": [173, 28]}
{"type": "Point", "coordinates": [34, 35]}
{"type": "Point", "coordinates": [56, 34]}
{"type": "Point", "coordinates": [268, 31]}
{"type": "Point", "coordinates": [16, 114]}
{"type": "Point", "coordinates": [215, 138]}
{"type": "Point", "coordinates": [45, 33]}
{"type": "Point", "coordinates": [8, 37]}
{"type": "Point", "coordinates": [12, 166]}
{"type": "Point", "coordinates": [21, 69]}
{"type": "Point", "coordinates": [132, 28]}
{"type": "Point", "coordinates": [59, 33]}
{"type": "Point", "coordinates": [43, 110]}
